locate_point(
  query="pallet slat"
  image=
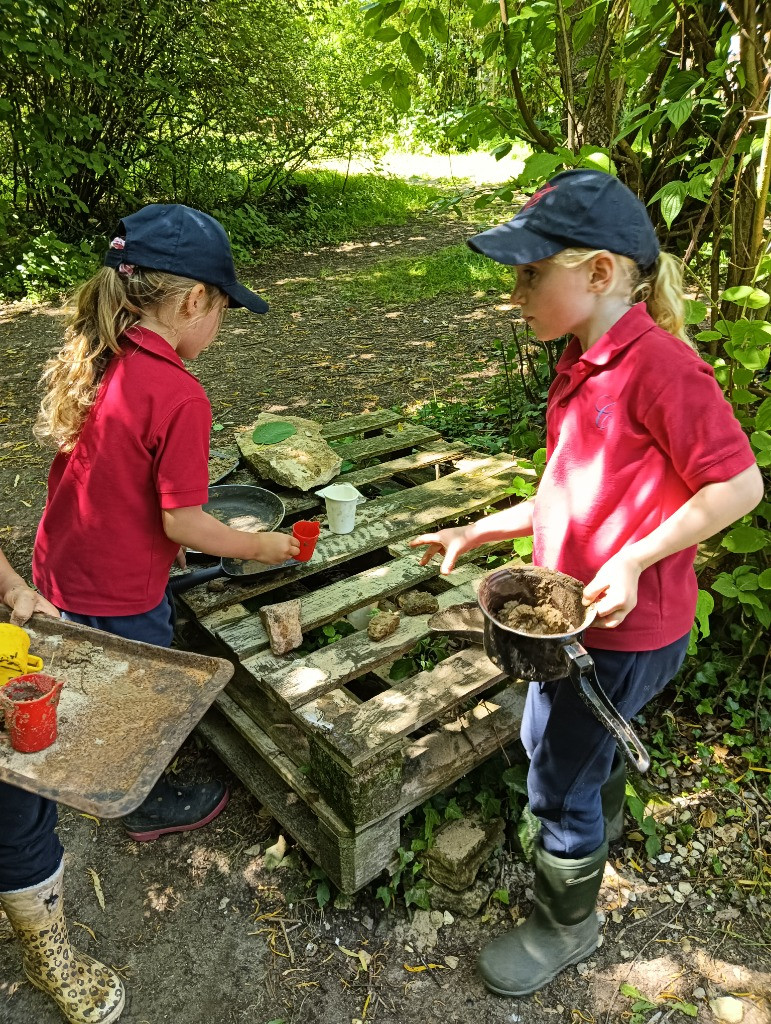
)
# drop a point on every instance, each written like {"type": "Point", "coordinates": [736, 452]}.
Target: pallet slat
{"type": "Point", "coordinates": [376, 420]}
{"type": "Point", "coordinates": [366, 729]}
{"type": "Point", "coordinates": [331, 667]}
{"type": "Point", "coordinates": [393, 518]}
{"type": "Point", "coordinates": [391, 440]}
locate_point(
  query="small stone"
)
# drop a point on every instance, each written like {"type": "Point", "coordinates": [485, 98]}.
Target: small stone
{"type": "Point", "coordinates": [448, 918]}
{"type": "Point", "coordinates": [417, 602]}
{"type": "Point", "coordinates": [253, 851]}
{"type": "Point", "coordinates": [367, 922]}
{"type": "Point", "coordinates": [728, 1009]}
{"type": "Point", "coordinates": [685, 888]}
{"type": "Point", "coordinates": [217, 586]}
{"type": "Point", "coordinates": [582, 968]}
{"type": "Point", "coordinates": [382, 625]}
{"type": "Point", "coordinates": [699, 993]}
{"type": "Point", "coordinates": [452, 962]}
{"type": "Point", "coordinates": [664, 858]}
{"type": "Point", "coordinates": [282, 624]}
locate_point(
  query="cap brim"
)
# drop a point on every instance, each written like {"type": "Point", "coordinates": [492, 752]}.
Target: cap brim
{"type": "Point", "coordinates": [514, 244]}
{"type": "Point", "coordinates": [241, 296]}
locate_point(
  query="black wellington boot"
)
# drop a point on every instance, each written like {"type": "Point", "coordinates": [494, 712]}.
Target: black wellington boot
{"type": "Point", "coordinates": [613, 792]}
{"type": "Point", "coordinates": [171, 808]}
{"type": "Point", "coordinates": [561, 930]}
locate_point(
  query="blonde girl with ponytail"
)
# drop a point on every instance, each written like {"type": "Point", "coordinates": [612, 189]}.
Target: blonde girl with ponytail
{"type": "Point", "coordinates": [130, 426]}
{"type": "Point", "coordinates": [645, 459]}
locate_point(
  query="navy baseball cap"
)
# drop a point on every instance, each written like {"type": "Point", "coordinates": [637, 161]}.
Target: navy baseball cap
{"type": "Point", "coordinates": [180, 240]}
{"type": "Point", "coordinates": [577, 209]}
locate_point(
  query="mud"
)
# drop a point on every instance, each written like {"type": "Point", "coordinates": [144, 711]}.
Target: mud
{"type": "Point", "coordinates": [22, 692]}
{"type": "Point", "coordinates": [542, 619]}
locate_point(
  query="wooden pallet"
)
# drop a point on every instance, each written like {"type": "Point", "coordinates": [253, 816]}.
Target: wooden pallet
{"type": "Point", "coordinates": [336, 750]}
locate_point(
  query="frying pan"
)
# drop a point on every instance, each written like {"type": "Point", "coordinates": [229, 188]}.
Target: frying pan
{"type": "Point", "coordinates": [252, 509]}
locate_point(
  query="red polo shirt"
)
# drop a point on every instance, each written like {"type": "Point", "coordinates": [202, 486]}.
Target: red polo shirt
{"type": "Point", "coordinates": [635, 427]}
{"type": "Point", "coordinates": [100, 547]}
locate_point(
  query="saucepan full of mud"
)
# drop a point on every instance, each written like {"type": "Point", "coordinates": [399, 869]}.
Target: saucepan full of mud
{"type": "Point", "coordinates": [531, 622]}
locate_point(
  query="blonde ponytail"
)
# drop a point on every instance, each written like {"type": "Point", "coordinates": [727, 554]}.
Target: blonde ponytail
{"type": "Point", "coordinates": [102, 309]}
{"type": "Point", "coordinates": [662, 292]}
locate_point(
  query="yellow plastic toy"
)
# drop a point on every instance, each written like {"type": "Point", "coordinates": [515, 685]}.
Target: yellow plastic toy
{"type": "Point", "coordinates": [15, 659]}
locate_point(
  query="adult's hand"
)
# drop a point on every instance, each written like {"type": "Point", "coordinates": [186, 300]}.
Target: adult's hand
{"type": "Point", "coordinates": [24, 602]}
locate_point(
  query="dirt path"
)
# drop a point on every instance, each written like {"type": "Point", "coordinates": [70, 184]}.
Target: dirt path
{"type": "Point", "coordinates": [192, 922]}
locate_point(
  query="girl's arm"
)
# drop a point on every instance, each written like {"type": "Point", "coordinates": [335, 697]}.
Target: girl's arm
{"type": "Point", "coordinates": [191, 527]}
{"type": "Point", "coordinates": [710, 510]}
{"type": "Point", "coordinates": [505, 525]}
{"type": "Point", "coordinates": [21, 599]}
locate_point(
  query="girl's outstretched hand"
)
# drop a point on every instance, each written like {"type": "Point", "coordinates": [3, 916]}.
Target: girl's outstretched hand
{"type": "Point", "coordinates": [614, 590]}
{"type": "Point", "coordinates": [275, 548]}
{"type": "Point", "coordinates": [453, 542]}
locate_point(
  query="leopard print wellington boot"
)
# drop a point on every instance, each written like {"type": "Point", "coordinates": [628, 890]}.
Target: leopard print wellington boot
{"type": "Point", "coordinates": [85, 990]}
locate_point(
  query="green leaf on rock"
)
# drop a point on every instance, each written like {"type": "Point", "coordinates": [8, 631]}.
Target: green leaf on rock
{"type": "Point", "coordinates": [273, 432]}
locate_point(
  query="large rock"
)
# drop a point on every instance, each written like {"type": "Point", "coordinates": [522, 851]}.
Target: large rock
{"type": "Point", "coordinates": [460, 848]}
{"type": "Point", "coordinates": [302, 461]}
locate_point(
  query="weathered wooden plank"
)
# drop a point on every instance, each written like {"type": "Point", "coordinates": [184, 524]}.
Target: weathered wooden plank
{"type": "Point", "coordinates": [379, 523]}
{"type": "Point", "coordinates": [364, 730]}
{"type": "Point", "coordinates": [350, 857]}
{"type": "Point", "coordinates": [246, 635]}
{"type": "Point", "coordinates": [391, 440]}
{"type": "Point", "coordinates": [376, 420]}
{"type": "Point", "coordinates": [435, 761]}
{"type": "Point", "coordinates": [305, 679]}
{"type": "Point", "coordinates": [433, 453]}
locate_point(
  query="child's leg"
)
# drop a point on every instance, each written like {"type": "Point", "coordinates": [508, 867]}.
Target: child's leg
{"type": "Point", "coordinates": [571, 755]}
{"type": "Point", "coordinates": [30, 850]}
{"type": "Point", "coordinates": [571, 752]}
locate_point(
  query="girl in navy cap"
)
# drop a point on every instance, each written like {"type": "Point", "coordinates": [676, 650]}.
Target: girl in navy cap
{"type": "Point", "coordinates": [130, 477]}
{"type": "Point", "coordinates": [645, 459]}
{"type": "Point", "coordinates": [132, 429]}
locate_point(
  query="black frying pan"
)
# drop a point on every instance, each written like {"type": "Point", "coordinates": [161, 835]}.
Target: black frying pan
{"type": "Point", "coordinates": [252, 509]}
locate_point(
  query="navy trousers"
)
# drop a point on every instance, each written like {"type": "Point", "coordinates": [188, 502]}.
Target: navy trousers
{"type": "Point", "coordinates": [30, 850]}
{"type": "Point", "coordinates": [571, 752]}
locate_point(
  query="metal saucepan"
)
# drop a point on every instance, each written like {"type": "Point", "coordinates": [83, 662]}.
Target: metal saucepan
{"type": "Point", "coordinates": [252, 509]}
{"type": "Point", "coordinates": [537, 657]}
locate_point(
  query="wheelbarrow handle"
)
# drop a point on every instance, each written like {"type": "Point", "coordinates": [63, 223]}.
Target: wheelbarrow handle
{"type": "Point", "coordinates": [179, 584]}
{"type": "Point", "coordinates": [583, 675]}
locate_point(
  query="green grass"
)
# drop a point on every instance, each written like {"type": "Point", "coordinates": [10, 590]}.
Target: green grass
{"type": "Point", "coordinates": [405, 279]}
{"type": "Point", "coordinates": [322, 207]}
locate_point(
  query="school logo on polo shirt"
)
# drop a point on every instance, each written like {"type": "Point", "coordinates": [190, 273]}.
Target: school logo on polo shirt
{"type": "Point", "coordinates": [604, 406]}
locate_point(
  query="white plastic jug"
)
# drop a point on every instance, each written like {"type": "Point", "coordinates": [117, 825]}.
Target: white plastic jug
{"type": "Point", "coordinates": [341, 500]}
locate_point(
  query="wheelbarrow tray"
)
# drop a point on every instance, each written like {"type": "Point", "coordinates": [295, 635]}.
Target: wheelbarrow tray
{"type": "Point", "coordinates": [124, 711]}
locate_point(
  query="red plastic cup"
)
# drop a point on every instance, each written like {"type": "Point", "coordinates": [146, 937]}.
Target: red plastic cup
{"type": "Point", "coordinates": [29, 720]}
{"type": "Point", "coordinates": [306, 534]}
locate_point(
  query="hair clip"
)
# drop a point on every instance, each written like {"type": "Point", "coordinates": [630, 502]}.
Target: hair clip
{"type": "Point", "coordinates": [118, 243]}
{"type": "Point", "coordinates": [127, 269]}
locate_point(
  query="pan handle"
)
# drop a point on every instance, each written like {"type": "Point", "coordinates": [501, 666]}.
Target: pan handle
{"type": "Point", "coordinates": [179, 584]}
{"type": "Point", "coordinates": [583, 675]}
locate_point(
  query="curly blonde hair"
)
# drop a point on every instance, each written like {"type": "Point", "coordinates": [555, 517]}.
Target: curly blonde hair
{"type": "Point", "coordinates": [661, 289]}
{"type": "Point", "coordinates": [101, 310]}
